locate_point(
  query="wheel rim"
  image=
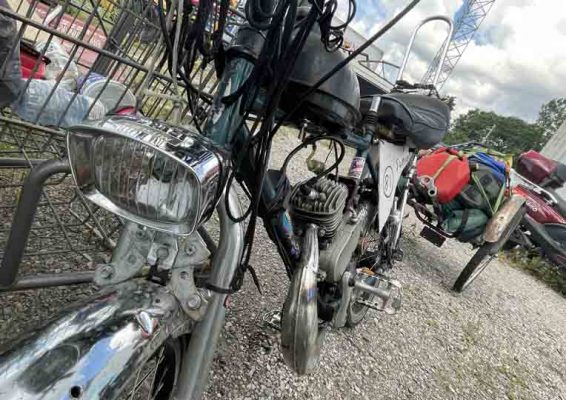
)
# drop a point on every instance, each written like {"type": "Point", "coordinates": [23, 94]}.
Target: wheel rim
{"type": "Point", "coordinates": [156, 378]}
{"type": "Point", "coordinates": [479, 269]}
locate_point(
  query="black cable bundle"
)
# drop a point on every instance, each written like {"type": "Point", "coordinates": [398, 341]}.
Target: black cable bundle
{"type": "Point", "coordinates": [261, 142]}
{"type": "Point", "coordinates": [333, 35]}
{"type": "Point", "coordinates": [273, 69]}
{"type": "Point", "coordinates": [284, 40]}
{"type": "Point", "coordinates": [194, 40]}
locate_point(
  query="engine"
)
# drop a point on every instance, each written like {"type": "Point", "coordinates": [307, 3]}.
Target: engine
{"type": "Point", "coordinates": [321, 203]}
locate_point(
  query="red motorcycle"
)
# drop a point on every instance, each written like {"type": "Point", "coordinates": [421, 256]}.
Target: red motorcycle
{"type": "Point", "coordinates": [543, 228]}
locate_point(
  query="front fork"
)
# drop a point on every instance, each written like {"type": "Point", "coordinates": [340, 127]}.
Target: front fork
{"type": "Point", "coordinates": [399, 208]}
{"type": "Point", "coordinates": [204, 338]}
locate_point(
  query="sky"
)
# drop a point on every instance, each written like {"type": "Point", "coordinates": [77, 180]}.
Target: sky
{"type": "Point", "coordinates": [516, 62]}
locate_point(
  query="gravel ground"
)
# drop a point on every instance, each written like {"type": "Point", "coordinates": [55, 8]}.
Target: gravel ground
{"type": "Point", "coordinates": [505, 337]}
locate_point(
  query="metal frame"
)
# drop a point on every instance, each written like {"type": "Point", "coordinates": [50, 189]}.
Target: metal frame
{"type": "Point", "coordinates": [23, 218]}
{"type": "Point", "coordinates": [41, 281]}
{"type": "Point", "coordinates": [469, 18]}
{"type": "Point", "coordinates": [443, 18]}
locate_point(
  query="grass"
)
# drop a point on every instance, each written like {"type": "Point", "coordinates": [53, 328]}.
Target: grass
{"type": "Point", "coordinates": [500, 374]}
{"type": "Point", "coordinates": [537, 267]}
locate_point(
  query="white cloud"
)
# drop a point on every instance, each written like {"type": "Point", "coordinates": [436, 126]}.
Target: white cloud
{"type": "Point", "coordinates": [519, 65]}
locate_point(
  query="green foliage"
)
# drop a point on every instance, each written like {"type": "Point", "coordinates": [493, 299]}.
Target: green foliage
{"type": "Point", "coordinates": [551, 116]}
{"type": "Point", "coordinates": [547, 273]}
{"type": "Point", "coordinates": [510, 135]}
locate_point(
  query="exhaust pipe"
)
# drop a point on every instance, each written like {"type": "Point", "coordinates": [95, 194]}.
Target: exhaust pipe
{"type": "Point", "coordinates": [299, 319]}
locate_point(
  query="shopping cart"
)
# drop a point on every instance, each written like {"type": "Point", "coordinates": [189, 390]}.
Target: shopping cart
{"type": "Point", "coordinates": [110, 53]}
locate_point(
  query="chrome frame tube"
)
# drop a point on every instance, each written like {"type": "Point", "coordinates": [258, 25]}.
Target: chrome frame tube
{"type": "Point", "coordinates": [530, 185]}
{"type": "Point", "coordinates": [444, 50]}
{"type": "Point", "coordinates": [41, 281]}
{"type": "Point", "coordinates": [403, 203]}
{"type": "Point", "coordinates": [204, 338]}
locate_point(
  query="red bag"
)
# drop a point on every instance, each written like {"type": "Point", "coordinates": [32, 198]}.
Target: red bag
{"type": "Point", "coordinates": [449, 172]}
{"type": "Point", "coordinates": [535, 167]}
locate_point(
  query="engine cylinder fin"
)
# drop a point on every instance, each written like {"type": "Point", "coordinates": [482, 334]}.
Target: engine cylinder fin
{"type": "Point", "coordinates": [321, 203]}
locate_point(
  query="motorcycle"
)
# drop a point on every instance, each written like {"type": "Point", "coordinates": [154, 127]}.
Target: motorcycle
{"type": "Point", "coordinates": [543, 228]}
{"type": "Point", "coordinates": [155, 323]}
{"type": "Point", "coordinates": [487, 233]}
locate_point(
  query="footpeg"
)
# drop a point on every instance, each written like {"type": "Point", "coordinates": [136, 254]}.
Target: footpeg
{"type": "Point", "coordinates": [386, 292]}
{"type": "Point", "coordinates": [272, 319]}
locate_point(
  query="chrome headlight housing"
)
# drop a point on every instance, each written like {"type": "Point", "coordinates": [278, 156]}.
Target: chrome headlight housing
{"type": "Point", "coordinates": [163, 177]}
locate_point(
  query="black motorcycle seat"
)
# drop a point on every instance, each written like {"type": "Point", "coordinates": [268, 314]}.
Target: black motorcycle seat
{"type": "Point", "coordinates": [423, 119]}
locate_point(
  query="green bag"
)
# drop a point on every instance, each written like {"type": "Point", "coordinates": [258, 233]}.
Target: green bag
{"type": "Point", "coordinates": [484, 192]}
{"type": "Point", "coordinates": [465, 224]}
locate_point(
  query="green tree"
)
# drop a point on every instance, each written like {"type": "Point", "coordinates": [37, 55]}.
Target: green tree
{"type": "Point", "coordinates": [551, 116]}
{"type": "Point", "coordinates": [509, 134]}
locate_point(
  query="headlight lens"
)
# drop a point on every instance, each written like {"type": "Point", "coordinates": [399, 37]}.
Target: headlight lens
{"type": "Point", "coordinates": [151, 173]}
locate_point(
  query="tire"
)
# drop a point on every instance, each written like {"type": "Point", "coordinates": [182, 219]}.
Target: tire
{"type": "Point", "coordinates": [558, 234]}
{"type": "Point", "coordinates": [485, 254]}
{"type": "Point", "coordinates": [156, 379]}
{"type": "Point", "coordinates": [475, 267]}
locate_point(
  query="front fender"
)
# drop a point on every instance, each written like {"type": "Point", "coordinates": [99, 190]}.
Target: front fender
{"type": "Point", "coordinates": [95, 347]}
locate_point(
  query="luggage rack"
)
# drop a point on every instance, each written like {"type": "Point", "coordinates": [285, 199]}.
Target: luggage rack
{"type": "Point", "coordinates": [121, 42]}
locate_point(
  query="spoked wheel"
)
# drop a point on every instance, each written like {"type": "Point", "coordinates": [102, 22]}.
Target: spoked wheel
{"type": "Point", "coordinates": [157, 377]}
{"type": "Point", "coordinates": [475, 267]}
{"type": "Point", "coordinates": [485, 254]}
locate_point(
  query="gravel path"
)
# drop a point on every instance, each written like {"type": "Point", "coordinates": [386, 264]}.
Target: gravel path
{"type": "Point", "coordinates": [504, 338]}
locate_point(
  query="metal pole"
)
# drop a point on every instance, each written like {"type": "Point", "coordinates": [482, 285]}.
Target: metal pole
{"type": "Point", "coordinates": [23, 218]}
{"type": "Point", "coordinates": [50, 280]}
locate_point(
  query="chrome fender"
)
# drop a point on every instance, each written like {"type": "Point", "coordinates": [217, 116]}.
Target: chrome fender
{"type": "Point", "coordinates": [93, 348]}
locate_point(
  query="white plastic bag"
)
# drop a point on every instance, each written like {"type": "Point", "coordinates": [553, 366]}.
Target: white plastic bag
{"type": "Point", "coordinates": [36, 105]}
{"type": "Point", "coordinates": [58, 58]}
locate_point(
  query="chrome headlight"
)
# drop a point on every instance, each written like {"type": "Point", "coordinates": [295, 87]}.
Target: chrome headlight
{"type": "Point", "coordinates": [163, 177]}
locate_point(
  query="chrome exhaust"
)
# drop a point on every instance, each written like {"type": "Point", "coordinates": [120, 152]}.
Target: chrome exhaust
{"type": "Point", "coordinates": [299, 319]}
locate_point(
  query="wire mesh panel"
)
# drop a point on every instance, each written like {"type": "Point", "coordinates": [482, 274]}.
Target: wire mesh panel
{"type": "Point", "coordinates": [63, 222]}
{"type": "Point", "coordinates": [63, 62]}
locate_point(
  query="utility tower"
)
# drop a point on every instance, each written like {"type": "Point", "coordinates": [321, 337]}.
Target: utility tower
{"type": "Point", "coordinates": [468, 19]}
